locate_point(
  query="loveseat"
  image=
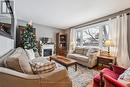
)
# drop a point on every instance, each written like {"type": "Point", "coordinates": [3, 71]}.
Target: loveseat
{"type": "Point", "coordinates": [12, 78]}
{"type": "Point", "coordinates": [85, 56]}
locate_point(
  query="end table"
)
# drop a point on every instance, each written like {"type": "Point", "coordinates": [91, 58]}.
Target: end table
{"type": "Point", "coordinates": [106, 60]}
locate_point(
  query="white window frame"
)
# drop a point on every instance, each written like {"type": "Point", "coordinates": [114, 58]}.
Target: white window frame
{"type": "Point", "coordinates": [100, 31]}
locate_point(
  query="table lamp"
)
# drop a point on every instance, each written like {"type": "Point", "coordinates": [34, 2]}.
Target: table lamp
{"type": "Point", "coordinates": [109, 43]}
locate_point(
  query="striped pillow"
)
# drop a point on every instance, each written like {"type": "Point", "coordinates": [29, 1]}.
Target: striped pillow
{"type": "Point", "coordinates": [39, 67]}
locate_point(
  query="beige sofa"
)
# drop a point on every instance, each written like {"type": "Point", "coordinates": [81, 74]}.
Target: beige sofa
{"type": "Point", "coordinates": [12, 78]}
{"type": "Point", "coordinates": [85, 56]}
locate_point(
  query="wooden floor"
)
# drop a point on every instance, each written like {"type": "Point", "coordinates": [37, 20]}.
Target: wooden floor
{"type": "Point", "coordinates": [90, 84]}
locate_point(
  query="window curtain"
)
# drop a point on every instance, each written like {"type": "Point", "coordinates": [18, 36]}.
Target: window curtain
{"type": "Point", "coordinates": [118, 33]}
{"type": "Point", "coordinates": [72, 42]}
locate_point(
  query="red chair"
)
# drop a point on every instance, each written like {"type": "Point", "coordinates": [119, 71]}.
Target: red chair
{"type": "Point", "coordinates": [108, 77]}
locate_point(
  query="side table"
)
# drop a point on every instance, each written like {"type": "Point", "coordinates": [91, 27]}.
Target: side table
{"type": "Point", "coordinates": [106, 60]}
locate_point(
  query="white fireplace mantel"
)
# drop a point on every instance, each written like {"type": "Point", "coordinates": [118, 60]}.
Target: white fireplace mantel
{"type": "Point", "coordinates": [47, 46]}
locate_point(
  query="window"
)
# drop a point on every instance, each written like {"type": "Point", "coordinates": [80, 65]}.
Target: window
{"type": "Point", "coordinates": [92, 35]}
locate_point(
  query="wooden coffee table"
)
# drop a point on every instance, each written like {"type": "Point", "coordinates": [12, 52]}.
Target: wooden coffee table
{"type": "Point", "coordinates": [64, 61]}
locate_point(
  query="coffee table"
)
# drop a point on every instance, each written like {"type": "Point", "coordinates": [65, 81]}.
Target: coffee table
{"type": "Point", "coordinates": [64, 61]}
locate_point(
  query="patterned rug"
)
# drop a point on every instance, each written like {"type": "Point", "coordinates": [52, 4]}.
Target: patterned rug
{"type": "Point", "coordinates": [82, 76]}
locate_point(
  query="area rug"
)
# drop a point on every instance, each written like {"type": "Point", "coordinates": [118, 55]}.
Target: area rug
{"type": "Point", "coordinates": [82, 76]}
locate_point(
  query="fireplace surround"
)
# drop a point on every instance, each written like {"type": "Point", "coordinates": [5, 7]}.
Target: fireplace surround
{"type": "Point", "coordinates": [47, 50]}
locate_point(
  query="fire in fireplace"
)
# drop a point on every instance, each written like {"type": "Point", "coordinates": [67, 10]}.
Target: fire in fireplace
{"type": "Point", "coordinates": [47, 52]}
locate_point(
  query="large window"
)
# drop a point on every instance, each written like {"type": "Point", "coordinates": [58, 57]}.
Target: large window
{"type": "Point", "coordinates": [92, 35]}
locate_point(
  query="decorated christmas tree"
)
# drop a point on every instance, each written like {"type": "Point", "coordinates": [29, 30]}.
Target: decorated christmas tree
{"type": "Point", "coordinates": [29, 38]}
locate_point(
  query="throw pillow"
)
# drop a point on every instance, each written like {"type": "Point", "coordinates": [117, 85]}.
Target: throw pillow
{"type": "Point", "coordinates": [30, 53]}
{"type": "Point", "coordinates": [19, 61]}
{"type": "Point", "coordinates": [125, 76]}
{"type": "Point", "coordinates": [79, 50]}
{"type": "Point", "coordinates": [42, 67]}
{"type": "Point", "coordinates": [91, 50]}
{"type": "Point", "coordinates": [13, 63]}
{"type": "Point", "coordinates": [85, 51]}
{"type": "Point", "coordinates": [37, 54]}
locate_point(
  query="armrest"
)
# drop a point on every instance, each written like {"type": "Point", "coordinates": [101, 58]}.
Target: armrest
{"type": "Point", "coordinates": [56, 75]}
{"type": "Point", "coordinates": [117, 69]}
{"type": "Point", "coordinates": [11, 78]}
{"type": "Point", "coordinates": [13, 73]}
{"type": "Point", "coordinates": [92, 60]}
{"type": "Point", "coordinates": [93, 54]}
{"type": "Point", "coordinates": [113, 82]}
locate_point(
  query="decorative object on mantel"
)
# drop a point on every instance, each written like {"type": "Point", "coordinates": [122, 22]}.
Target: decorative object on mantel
{"type": "Point", "coordinates": [109, 43]}
{"type": "Point", "coordinates": [46, 40]}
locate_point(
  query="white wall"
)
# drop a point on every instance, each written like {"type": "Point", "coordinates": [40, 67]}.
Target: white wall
{"type": "Point", "coordinates": [42, 30]}
{"type": "Point", "coordinates": [6, 44]}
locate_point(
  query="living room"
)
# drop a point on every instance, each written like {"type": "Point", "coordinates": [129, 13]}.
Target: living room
{"type": "Point", "coordinates": [64, 43]}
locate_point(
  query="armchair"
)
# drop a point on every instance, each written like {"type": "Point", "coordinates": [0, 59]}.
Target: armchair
{"type": "Point", "coordinates": [108, 77]}
{"type": "Point", "coordinates": [110, 82]}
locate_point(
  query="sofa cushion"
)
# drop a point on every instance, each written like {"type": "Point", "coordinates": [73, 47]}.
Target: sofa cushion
{"type": "Point", "coordinates": [79, 57]}
{"type": "Point", "coordinates": [79, 50]}
{"type": "Point", "coordinates": [30, 53]}
{"type": "Point", "coordinates": [92, 50]}
{"type": "Point", "coordinates": [85, 51]}
{"type": "Point", "coordinates": [19, 61]}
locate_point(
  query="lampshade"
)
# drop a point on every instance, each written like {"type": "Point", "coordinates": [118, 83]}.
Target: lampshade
{"type": "Point", "coordinates": [109, 43]}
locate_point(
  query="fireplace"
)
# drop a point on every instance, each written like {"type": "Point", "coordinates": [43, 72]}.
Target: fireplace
{"type": "Point", "coordinates": [47, 50]}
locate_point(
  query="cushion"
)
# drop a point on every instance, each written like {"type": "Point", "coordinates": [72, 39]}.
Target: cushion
{"type": "Point", "coordinates": [4, 57]}
{"type": "Point", "coordinates": [19, 61]}
{"type": "Point", "coordinates": [37, 54]}
{"type": "Point", "coordinates": [125, 76]}
{"type": "Point", "coordinates": [30, 53]}
{"type": "Point", "coordinates": [85, 51]}
{"type": "Point", "coordinates": [43, 67]}
{"type": "Point", "coordinates": [78, 57]}
{"type": "Point", "coordinates": [91, 50]}
{"type": "Point", "coordinates": [79, 50]}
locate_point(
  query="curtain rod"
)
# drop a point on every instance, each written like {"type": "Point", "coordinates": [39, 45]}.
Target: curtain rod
{"type": "Point", "coordinates": [102, 19]}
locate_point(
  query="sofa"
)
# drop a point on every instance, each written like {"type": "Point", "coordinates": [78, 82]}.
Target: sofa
{"type": "Point", "coordinates": [13, 78]}
{"type": "Point", "coordinates": [85, 56]}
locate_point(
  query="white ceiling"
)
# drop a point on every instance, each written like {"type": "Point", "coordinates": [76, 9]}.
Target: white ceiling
{"type": "Point", "coordinates": [66, 13]}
